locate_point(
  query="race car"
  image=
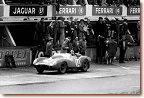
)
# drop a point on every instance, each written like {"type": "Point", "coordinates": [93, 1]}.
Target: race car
{"type": "Point", "coordinates": [62, 62]}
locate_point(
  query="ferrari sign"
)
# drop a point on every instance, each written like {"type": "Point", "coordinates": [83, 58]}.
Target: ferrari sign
{"type": "Point", "coordinates": [133, 11]}
{"type": "Point", "coordinates": [28, 10]}
{"type": "Point", "coordinates": [22, 56]}
{"type": "Point", "coordinates": [70, 11]}
{"type": "Point", "coordinates": [104, 10]}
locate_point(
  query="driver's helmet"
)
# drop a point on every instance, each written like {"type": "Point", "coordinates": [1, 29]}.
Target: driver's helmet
{"type": "Point", "coordinates": [72, 52]}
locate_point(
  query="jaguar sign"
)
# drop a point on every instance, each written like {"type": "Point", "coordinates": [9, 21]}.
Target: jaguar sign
{"type": "Point", "coordinates": [28, 10]}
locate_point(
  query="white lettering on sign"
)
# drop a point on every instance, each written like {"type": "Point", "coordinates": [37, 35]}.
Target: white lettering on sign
{"type": "Point", "coordinates": [134, 10]}
{"type": "Point", "coordinates": [23, 10]}
{"type": "Point", "coordinates": [67, 11]}
{"type": "Point", "coordinates": [20, 63]}
{"type": "Point", "coordinates": [104, 10]}
{"type": "Point", "coordinates": [18, 54]}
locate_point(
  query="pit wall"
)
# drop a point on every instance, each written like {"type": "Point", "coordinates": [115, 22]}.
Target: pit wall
{"type": "Point", "coordinates": [132, 53]}
{"type": "Point", "coordinates": [22, 55]}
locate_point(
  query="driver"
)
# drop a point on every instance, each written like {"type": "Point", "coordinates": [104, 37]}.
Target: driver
{"type": "Point", "coordinates": [66, 46]}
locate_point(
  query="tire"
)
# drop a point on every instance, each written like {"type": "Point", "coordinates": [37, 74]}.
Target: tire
{"type": "Point", "coordinates": [39, 69]}
{"type": "Point", "coordinates": [85, 65]}
{"type": "Point", "coordinates": [63, 68]}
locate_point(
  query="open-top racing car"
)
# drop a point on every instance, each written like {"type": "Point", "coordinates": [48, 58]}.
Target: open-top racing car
{"type": "Point", "coordinates": [62, 62]}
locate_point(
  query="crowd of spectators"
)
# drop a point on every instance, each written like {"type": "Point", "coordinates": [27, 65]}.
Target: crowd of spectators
{"type": "Point", "coordinates": [65, 34]}
{"type": "Point", "coordinates": [75, 35]}
{"type": "Point", "coordinates": [81, 2]}
{"type": "Point", "coordinates": [60, 29]}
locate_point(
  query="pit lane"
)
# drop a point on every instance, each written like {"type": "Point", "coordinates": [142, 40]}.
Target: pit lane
{"type": "Point", "coordinates": [28, 75]}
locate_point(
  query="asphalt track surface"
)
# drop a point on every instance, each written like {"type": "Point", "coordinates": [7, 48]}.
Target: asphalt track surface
{"type": "Point", "coordinates": [100, 79]}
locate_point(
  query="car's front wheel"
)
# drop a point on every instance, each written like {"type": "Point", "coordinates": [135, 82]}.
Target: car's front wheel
{"type": "Point", "coordinates": [63, 68]}
{"type": "Point", "coordinates": [85, 65]}
{"type": "Point", "coordinates": [40, 69]}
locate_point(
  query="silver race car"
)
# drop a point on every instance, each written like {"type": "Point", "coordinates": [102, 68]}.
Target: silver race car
{"type": "Point", "coordinates": [62, 62]}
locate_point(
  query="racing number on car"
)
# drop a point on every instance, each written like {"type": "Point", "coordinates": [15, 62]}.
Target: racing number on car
{"type": "Point", "coordinates": [77, 61]}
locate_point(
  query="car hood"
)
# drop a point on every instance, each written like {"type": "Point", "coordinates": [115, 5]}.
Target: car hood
{"type": "Point", "coordinates": [52, 60]}
{"type": "Point", "coordinates": [46, 61]}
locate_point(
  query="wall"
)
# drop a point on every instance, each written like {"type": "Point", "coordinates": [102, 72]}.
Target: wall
{"type": "Point", "coordinates": [22, 55]}
{"type": "Point", "coordinates": [132, 53]}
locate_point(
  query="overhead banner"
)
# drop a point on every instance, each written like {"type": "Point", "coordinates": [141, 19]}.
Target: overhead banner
{"type": "Point", "coordinates": [28, 10]}
{"type": "Point", "coordinates": [70, 11]}
{"type": "Point", "coordinates": [106, 10]}
{"type": "Point", "coordinates": [22, 56]}
{"type": "Point", "coordinates": [133, 11]}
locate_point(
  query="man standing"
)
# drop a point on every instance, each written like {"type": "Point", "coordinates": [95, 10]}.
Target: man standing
{"type": "Point", "coordinates": [100, 34]}
{"type": "Point", "coordinates": [55, 32]}
{"type": "Point", "coordinates": [73, 31]}
{"type": "Point", "coordinates": [40, 32]}
{"type": "Point", "coordinates": [123, 41]}
{"type": "Point", "coordinates": [138, 32]}
{"type": "Point", "coordinates": [90, 32]}
{"type": "Point", "coordinates": [76, 45]}
{"type": "Point", "coordinates": [61, 30]}
{"type": "Point", "coordinates": [81, 30]}
{"type": "Point", "coordinates": [49, 47]}
{"type": "Point", "coordinates": [82, 46]}
{"type": "Point", "coordinates": [50, 28]}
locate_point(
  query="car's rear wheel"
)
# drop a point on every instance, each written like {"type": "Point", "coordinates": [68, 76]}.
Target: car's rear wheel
{"type": "Point", "coordinates": [63, 68]}
{"type": "Point", "coordinates": [85, 65]}
{"type": "Point", "coordinates": [40, 69]}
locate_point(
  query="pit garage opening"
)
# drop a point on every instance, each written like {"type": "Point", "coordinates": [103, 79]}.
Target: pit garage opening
{"type": "Point", "coordinates": [16, 39]}
{"type": "Point", "coordinates": [23, 33]}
